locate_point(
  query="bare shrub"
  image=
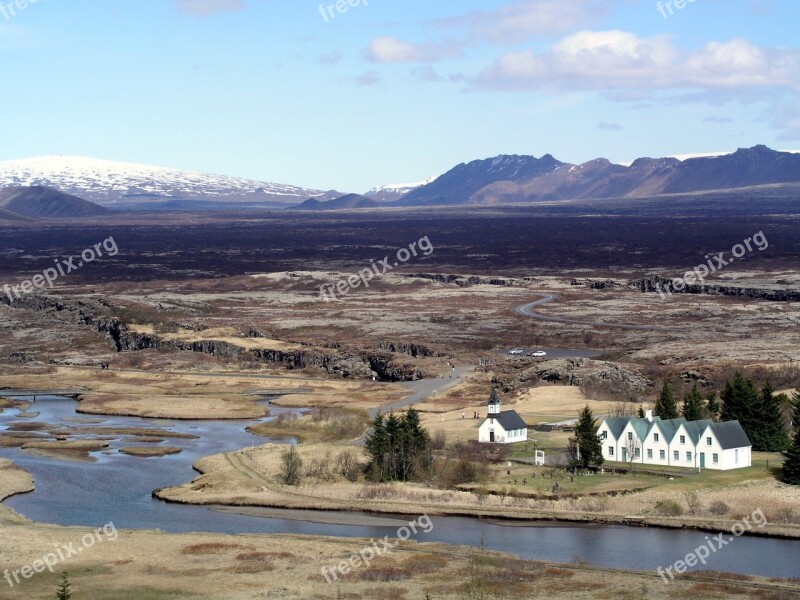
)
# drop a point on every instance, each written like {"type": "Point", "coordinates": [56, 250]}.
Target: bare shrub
{"type": "Point", "coordinates": [291, 466]}
{"type": "Point", "coordinates": [450, 473]}
{"type": "Point", "coordinates": [719, 508]}
{"type": "Point", "coordinates": [476, 452]}
{"type": "Point", "coordinates": [668, 508]}
{"type": "Point", "coordinates": [320, 468]}
{"type": "Point", "coordinates": [595, 504]}
{"type": "Point", "coordinates": [438, 440]}
{"type": "Point", "coordinates": [348, 465]}
{"type": "Point", "coordinates": [692, 501]}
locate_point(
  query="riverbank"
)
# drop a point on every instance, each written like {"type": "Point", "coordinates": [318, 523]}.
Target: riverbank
{"type": "Point", "coordinates": [150, 565]}
{"type": "Point", "coordinates": [250, 478]}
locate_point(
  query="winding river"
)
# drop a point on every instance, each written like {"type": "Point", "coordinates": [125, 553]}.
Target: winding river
{"type": "Point", "coordinates": [118, 488]}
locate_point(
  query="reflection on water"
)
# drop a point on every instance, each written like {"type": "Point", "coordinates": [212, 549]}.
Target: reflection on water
{"type": "Point", "coordinates": [118, 488]}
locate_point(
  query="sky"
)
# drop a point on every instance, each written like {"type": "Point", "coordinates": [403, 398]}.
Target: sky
{"type": "Point", "coordinates": [378, 92]}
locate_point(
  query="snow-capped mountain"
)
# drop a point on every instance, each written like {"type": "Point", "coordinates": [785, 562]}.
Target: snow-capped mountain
{"type": "Point", "coordinates": [395, 191]}
{"type": "Point", "coordinates": [120, 184]}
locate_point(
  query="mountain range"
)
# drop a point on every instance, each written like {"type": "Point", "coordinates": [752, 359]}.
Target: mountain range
{"type": "Point", "coordinates": [525, 179]}
{"type": "Point", "coordinates": [505, 179]}
{"type": "Point", "coordinates": [131, 186]}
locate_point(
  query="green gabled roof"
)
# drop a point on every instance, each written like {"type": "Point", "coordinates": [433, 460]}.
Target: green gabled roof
{"type": "Point", "coordinates": [641, 427]}
{"type": "Point", "coordinates": [730, 435]}
{"type": "Point", "coordinates": [670, 427]}
{"type": "Point", "coordinates": [617, 425]}
{"type": "Point", "coordinates": [695, 429]}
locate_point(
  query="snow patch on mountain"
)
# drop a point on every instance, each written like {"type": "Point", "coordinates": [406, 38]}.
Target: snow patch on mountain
{"type": "Point", "coordinates": [112, 183]}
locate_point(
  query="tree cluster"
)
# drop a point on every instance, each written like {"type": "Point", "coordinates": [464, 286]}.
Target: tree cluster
{"type": "Point", "coordinates": [759, 413]}
{"type": "Point", "coordinates": [399, 448]}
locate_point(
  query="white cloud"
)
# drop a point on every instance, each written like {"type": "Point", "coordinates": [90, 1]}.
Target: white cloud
{"type": "Point", "coordinates": [619, 60]}
{"type": "Point", "coordinates": [391, 50]}
{"type": "Point", "coordinates": [207, 7]}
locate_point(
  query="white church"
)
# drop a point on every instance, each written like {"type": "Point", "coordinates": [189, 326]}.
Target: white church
{"type": "Point", "coordinates": [505, 427]}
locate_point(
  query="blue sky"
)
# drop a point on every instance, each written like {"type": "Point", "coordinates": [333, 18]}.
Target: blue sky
{"type": "Point", "coordinates": [393, 91]}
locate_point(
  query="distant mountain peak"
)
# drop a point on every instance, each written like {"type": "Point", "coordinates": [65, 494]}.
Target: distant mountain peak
{"type": "Point", "coordinates": [523, 179]}
{"type": "Point", "coordinates": [112, 183]}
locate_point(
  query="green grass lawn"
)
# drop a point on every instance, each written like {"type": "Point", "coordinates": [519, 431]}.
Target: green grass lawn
{"type": "Point", "coordinates": [539, 479]}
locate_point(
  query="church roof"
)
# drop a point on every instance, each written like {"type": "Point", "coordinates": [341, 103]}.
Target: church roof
{"type": "Point", "coordinates": [509, 420]}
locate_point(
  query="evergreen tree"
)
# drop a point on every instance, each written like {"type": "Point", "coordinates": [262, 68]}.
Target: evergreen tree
{"type": "Point", "coordinates": [393, 448]}
{"type": "Point", "coordinates": [693, 405]}
{"type": "Point", "coordinates": [666, 407]}
{"type": "Point", "coordinates": [759, 414]}
{"type": "Point", "coordinates": [791, 464]}
{"type": "Point", "coordinates": [771, 435]}
{"type": "Point", "coordinates": [399, 447]}
{"type": "Point", "coordinates": [739, 400]}
{"type": "Point", "coordinates": [64, 592]}
{"type": "Point", "coordinates": [416, 445]}
{"type": "Point", "coordinates": [713, 407]}
{"type": "Point", "coordinates": [590, 446]}
{"type": "Point", "coordinates": [376, 447]}
{"type": "Point", "coordinates": [640, 412]}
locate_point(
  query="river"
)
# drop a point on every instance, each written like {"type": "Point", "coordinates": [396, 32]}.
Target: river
{"type": "Point", "coordinates": [117, 488]}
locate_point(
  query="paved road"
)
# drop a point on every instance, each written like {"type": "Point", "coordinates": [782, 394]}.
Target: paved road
{"type": "Point", "coordinates": [423, 389]}
{"type": "Point", "coordinates": [526, 310]}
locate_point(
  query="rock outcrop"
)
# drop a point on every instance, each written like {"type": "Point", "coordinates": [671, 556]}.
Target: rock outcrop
{"type": "Point", "coordinates": [363, 364]}
{"type": "Point", "coordinates": [656, 284]}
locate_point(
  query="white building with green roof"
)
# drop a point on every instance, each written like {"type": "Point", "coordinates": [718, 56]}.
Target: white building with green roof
{"type": "Point", "coordinates": [675, 442]}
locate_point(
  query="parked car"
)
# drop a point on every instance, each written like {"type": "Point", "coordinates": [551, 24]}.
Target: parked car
{"type": "Point", "coordinates": [538, 353]}
{"type": "Point", "coordinates": [515, 352]}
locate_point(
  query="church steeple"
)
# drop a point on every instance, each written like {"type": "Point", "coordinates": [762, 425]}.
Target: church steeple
{"type": "Point", "coordinates": [494, 403]}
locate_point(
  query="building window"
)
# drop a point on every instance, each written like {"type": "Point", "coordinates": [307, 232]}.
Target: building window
{"type": "Point", "coordinates": [655, 437]}
{"type": "Point", "coordinates": [662, 454]}
{"type": "Point", "coordinates": [649, 453]}
{"type": "Point", "coordinates": [611, 450]}
{"type": "Point", "coordinates": [676, 455]}
{"type": "Point", "coordinates": [715, 459]}
{"type": "Point", "coordinates": [630, 435]}
{"type": "Point", "coordinates": [708, 441]}
{"type": "Point", "coordinates": [736, 456]}
{"type": "Point", "coordinates": [637, 453]}
{"type": "Point", "coordinates": [688, 457]}
{"type": "Point", "coordinates": [683, 439]}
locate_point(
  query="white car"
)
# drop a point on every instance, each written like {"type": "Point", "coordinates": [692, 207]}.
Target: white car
{"type": "Point", "coordinates": [538, 353]}
{"type": "Point", "coordinates": [515, 352]}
